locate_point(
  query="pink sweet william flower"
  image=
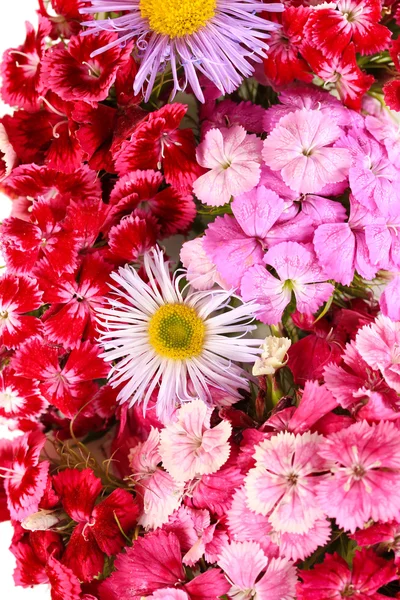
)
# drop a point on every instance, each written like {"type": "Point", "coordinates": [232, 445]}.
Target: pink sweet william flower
{"type": "Point", "coordinates": [379, 346]}
{"type": "Point", "coordinates": [365, 479]}
{"type": "Point", "coordinates": [284, 480]}
{"type": "Point", "coordinates": [300, 147]}
{"type": "Point", "coordinates": [233, 158]}
{"type": "Point", "coordinates": [342, 248]}
{"type": "Point", "coordinates": [335, 580]}
{"type": "Point", "coordinates": [298, 272]}
{"type": "Point", "coordinates": [190, 447]}
{"type": "Point", "coordinates": [159, 495]}
{"type": "Point", "coordinates": [244, 562]}
{"type": "Point", "coordinates": [236, 243]}
{"type": "Point", "coordinates": [25, 475]}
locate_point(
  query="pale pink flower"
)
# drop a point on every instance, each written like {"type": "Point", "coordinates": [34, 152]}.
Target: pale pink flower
{"type": "Point", "coordinates": [158, 493]}
{"type": "Point", "coordinates": [284, 480]}
{"type": "Point", "coordinates": [236, 243]}
{"type": "Point", "coordinates": [201, 272]}
{"type": "Point", "coordinates": [300, 147]}
{"type": "Point", "coordinates": [298, 272]}
{"type": "Point", "coordinates": [190, 447]}
{"type": "Point", "coordinates": [246, 525]}
{"type": "Point", "coordinates": [244, 562]}
{"type": "Point", "coordinates": [365, 479]}
{"type": "Point", "coordinates": [169, 594]}
{"type": "Point", "coordinates": [379, 345]}
{"type": "Point", "coordinates": [233, 158]}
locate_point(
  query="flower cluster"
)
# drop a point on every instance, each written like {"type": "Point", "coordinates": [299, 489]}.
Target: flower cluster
{"type": "Point", "coordinates": [200, 304]}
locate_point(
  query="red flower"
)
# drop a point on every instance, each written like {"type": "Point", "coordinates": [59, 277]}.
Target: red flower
{"type": "Point", "coordinates": [67, 20]}
{"type": "Point", "coordinates": [32, 551]}
{"type": "Point", "coordinates": [334, 579]}
{"type": "Point", "coordinates": [73, 298]}
{"type": "Point", "coordinates": [24, 243]}
{"type": "Point", "coordinates": [391, 89]}
{"type": "Point", "coordinates": [215, 492]}
{"type": "Point", "coordinates": [95, 133]}
{"type": "Point", "coordinates": [25, 476]}
{"type": "Point", "coordinates": [158, 143]}
{"type": "Point", "coordinates": [19, 397]}
{"type": "Point", "coordinates": [47, 136]}
{"type": "Point", "coordinates": [20, 69]}
{"type": "Point", "coordinates": [173, 210]}
{"type": "Point", "coordinates": [284, 62]}
{"type": "Point", "coordinates": [85, 220]}
{"type": "Point", "coordinates": [65, 381]}
{"type": "Point", "coordinates": [342, 73]}
{"type": "Point", "coordinates": [133, 236]}
{"type": "Point", "coordinates": [332, 28]}
{"type": "Point", "coordinates": [74, 75]}
{"type": "Point", "coordinates": [309, 356]}
{"type": "Point", "coordinates": [98, 530]}
{"type": "Point", "coordinates": [18, 296]}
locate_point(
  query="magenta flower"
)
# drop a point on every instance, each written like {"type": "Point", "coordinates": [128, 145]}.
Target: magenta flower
{"type": "Point", "coordinates": [219, 37]}
{"type": "Point", "coordinates": [284, 480]}
{"type": "Point", "coordinates": [236, 243]}
{"type": "Point", "coordinates": [244, 562]}
{"type": "Point", "coordinates": [365, 480]}
{"type": "Point", "coordinates": [297, 271]}
{"type": "Point", "coordinates": [300, 147]}
{"type": "Point", "coordinates": [233, 158]}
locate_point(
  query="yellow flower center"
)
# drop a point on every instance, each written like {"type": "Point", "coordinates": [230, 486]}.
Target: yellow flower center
{"type": "Point", "coordinates": [176, 331]}
{"type": "Point", "coordinates": [177, 18]}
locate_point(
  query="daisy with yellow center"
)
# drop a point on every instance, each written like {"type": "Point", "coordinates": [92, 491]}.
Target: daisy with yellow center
{"type": "Point", "coordinates": [221, 39]}
{"type": "Point", "coordinates": [178, 343]}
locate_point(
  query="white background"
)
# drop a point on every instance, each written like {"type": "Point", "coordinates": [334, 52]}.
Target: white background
{"type": "Point", "coordinates": [12, 33]}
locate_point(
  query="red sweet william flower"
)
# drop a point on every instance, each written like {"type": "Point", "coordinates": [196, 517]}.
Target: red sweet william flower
{"type": "Point", "coordinates": [23, 243]}
{"type": "Point", "coordinates": [18, 295]}
{"type": "Point", "coordinates": [73, 298]}
{"type": "Point", "coordinates": [20, 69]}
{"type": "Point", "coordinates": [342, 73]}
{"type": "Point", "coordinates": [215, 491]}
{"type": "Point", "coordinates": [25, 476]}
{"type": "Point", "coordinates": [73, 74]}
{"type": "Point", "coordinates": [32, 551]}
{"type": "Point", "coordinates": [64, 583]}
{"type": "Point", "coordinates": [332, 27]}
{"type": "Point", "coordinates": [95, 133]}
{"type": "Point", "coordinates": [391, 90]}
{"type": "Point", "coordinates": [98, 531]}
{"type": "Point", "coordinates": [66, 381]}
{"type": "Point", "coordinates": [158, 143]}
{"type": "Point", "coordinates": [133, 236]}
{"type": "Point", "coordinates": [8, 156]}
{"type": "Point", "coordinates": [284, 62]}
{"type": "Point", "coordinates": [334, 579]}
{"type": "Point", "coordinates": [173, 210]}
{"type": "Point", "coordinates": [86, 220]}
{"type": "Point", "coordinates": [46, 136]}
{"type": "Point", "coordinates": [155, 562]}
{"type": "Point", "coordinates": [19, 397]}
{"type": "Point", "coordinates": [67, 20]}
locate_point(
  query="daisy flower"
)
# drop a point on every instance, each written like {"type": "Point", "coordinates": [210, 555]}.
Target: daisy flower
{"type": "Point", "coordinates": [159, 336]}
{"type": "Point", "coordinates": [217, 38]}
